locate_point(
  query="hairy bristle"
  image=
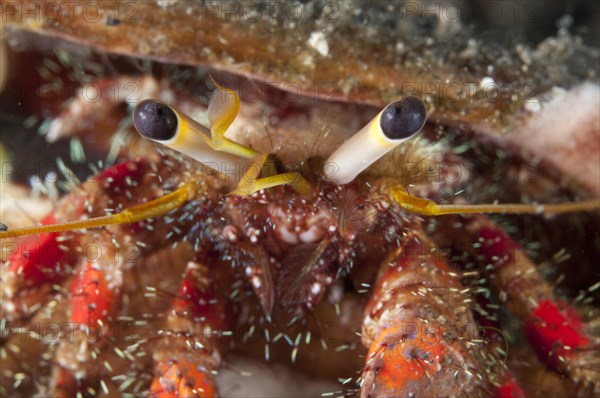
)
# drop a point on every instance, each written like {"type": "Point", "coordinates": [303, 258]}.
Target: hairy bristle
{"type": "Point", "coordinates": [415, 162]}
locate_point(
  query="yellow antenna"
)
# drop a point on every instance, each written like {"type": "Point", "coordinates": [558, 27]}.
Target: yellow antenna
{"type": "Point", "coordinates": [152, 209]}
{"type": "Point", "coordinates": [428, 208]}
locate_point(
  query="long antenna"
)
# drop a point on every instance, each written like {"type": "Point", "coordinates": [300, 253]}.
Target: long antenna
{"type": "Point", "coordinates": [152, 209]}
{"type": "Point", "coordinates": [428, 208]}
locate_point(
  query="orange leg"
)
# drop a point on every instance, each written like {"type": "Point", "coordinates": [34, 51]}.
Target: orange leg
{"type": "Point", "coordinates": [422, 338]}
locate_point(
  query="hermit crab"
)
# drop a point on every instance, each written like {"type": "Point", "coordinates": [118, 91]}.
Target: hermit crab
{"type": "Point", "coordinates": [353, 258]}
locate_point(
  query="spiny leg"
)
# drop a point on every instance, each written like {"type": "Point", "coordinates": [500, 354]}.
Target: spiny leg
{"type": "Point", "coordinates": [419, 327]}
{"type": "Point", "coordinates": [554, 328]}
{"type": "Point", "coordinates": [40, 261]}
{"type": "Point", "coordinates": [108, 303]}
{"type": "Point", "coordinates": [95, 296]}
{"type": "Point", "coordinates": [30, 285]}
{"type": "Point", "coordinates": [90, 296]}
{"type": "Point", "coordinates": [188, 354]}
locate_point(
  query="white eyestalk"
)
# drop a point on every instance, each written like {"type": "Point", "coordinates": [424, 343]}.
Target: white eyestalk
{"type": "Point", "coordinates": [169, 127]}
{"type": "Point", "coordinates": [395, 124]}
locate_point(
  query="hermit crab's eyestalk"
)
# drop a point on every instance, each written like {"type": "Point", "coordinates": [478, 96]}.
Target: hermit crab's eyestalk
{"type": "Point", "coordinates": [155, 120]}
{"type": "Point", "coordinates": [396, 123]}
{"type": "Point", "coordinates": [164, 124]}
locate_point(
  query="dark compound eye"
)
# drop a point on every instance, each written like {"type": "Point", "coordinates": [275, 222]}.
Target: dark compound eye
{"type": "Point", "coordinates": [155, 120]}
{"type": "Point", "coordinates": [402, 119]}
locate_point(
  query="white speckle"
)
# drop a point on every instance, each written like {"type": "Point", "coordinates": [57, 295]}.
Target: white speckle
{"type": "Point", "coordinates": [336, 293]}
{"type": "Point", "coordinates": [10, 306]}
{"type": "Point", "coordinates": [533, 105]}
{"type": "Point", "coordinates": [315, 288]}
{"type": "Point", "coordinates": [256, 282]}
{"type": "Point", "coordinates": [165, 3]}
{"type": "Point", "coordinates": [248, 271]}
{"type": "Point", "coordinates": [83, 352]}
{"type": "Point", "coordinates": [487, 84]}
{"type": "Point", "coordinates": [318, 41]}
{"type": "Point", "coordinates": [252, 234]}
